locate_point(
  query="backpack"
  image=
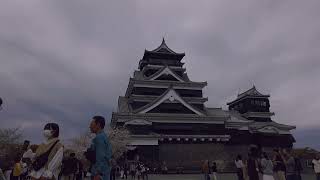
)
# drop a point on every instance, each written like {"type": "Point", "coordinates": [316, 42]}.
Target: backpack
{"type": "Point", "coordinates": [90, 154]}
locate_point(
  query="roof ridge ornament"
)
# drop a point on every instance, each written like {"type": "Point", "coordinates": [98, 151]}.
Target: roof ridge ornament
{"type": "Point", "coordinates": [163, 43]}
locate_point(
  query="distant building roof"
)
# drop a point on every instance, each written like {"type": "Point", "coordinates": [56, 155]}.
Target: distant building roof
{"type": "Point", "coordinates": [253, 92]}
{"type": "Point", "coordinates": [306, 153]}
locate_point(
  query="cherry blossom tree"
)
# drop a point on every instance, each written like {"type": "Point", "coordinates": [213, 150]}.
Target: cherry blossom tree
{"type": "Point", "coordinates": [118, 137]}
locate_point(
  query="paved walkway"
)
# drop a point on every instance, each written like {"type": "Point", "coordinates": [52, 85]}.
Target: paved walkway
{"type": "Point", "coordinates": [200, 177]}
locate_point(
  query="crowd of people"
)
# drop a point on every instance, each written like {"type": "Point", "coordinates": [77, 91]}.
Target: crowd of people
{"type": "Point", "coordinates": [136, 171]}
{"type": "Point", "coordinates": [133, 170]}
{"type": "Point", "coordinates": [209, 170]}
{"type": "Point", "coordinates": [50, 160]}
{"type": "Point", "coordinates": [47, 161]}
{"type": "Point", "coordinates": [281, 164]}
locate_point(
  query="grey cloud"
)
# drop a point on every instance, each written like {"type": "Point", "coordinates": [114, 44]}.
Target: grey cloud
{"type": "Point", "coordinates": [65, 61]}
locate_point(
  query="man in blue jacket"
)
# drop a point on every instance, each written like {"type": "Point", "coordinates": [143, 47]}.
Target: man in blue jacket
{"type": "Point", "coordinates": [102, 148]}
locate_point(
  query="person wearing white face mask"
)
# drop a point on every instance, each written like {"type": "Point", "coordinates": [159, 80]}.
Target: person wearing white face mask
{"type": "Point", "coordinates": [48, 158]}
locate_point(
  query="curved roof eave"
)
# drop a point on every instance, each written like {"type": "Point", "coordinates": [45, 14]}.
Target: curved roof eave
{"type": "Point", "coordinates": [160, 99]}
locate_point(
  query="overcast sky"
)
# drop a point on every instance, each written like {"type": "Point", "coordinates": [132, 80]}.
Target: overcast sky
{"type": "Point", "coordinates": [65, 61]}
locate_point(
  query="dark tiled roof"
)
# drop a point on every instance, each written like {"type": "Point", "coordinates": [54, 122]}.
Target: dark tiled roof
{"type": "Point", "coordinates": [163, 51]}
{"type": "Point", "coordinates": [163, 48]}
{"type": "Point", "coordinates": [253, 92]}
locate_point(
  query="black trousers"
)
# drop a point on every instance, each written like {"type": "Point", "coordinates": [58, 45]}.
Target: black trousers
{"type": "Point", "coordinates": [113, 174]}
{"type": "Point", "coordinates": [14, 178]}
{"type": "Point", "coordinates": [240, 174]}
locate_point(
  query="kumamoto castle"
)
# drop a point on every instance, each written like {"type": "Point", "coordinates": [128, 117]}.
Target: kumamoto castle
{"type": "Point", "coordinates": [168, 121]}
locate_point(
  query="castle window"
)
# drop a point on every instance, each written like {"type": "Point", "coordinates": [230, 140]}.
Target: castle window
{"type": "Point", "coordinates": [264, 103]}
